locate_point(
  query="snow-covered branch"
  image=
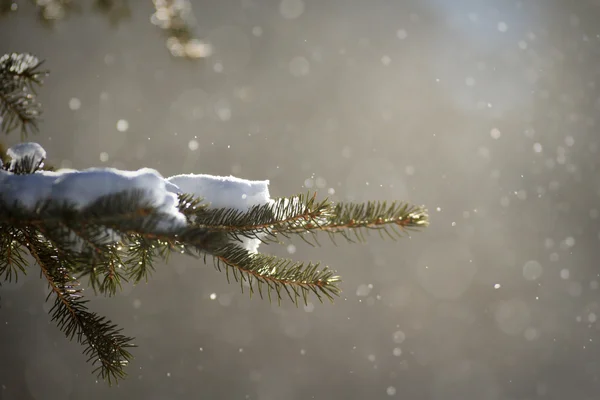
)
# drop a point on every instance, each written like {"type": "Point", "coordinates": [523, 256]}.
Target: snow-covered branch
{"type": "Point", "coordinates": [110, 225]}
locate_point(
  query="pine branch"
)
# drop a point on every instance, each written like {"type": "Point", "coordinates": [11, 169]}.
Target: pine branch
{"type": "Point", "coordinates": [104, 345]}
{"type": "Point", "coordinates": [118, 236]}
{"type": "Point", "coordinates": [95, 236]}
{"type": "Point", "coordinates": [276, 274]}
{"type": "Point", "coordinates": [359, 219]}
{"type": "Point", "coordinates": [302, 214]}
{"type": "Point", "coordinates": [132, 223]}
{"type": "Point", "coordinates": [140, 257]}
{"type": "Point", "coordinates": [20, 75]}
{"type": "Point", "coordinates": [263, 221]}
{"type": "Point", "coordinates": [24, 166]}
{"type": "Point", "coordinates": [22, 69]}
{"type": "Point", "coordinates": [190, 206]}
{"type": "Point", "coordinates": [12, 260]}
{"type": "Point", "coordinates": [176, 18]}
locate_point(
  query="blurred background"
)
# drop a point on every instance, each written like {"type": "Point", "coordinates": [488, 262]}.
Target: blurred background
{"type": "Point", "coordinates": [484, 111]}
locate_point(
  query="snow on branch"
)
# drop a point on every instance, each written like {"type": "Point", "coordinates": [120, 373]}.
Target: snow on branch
{"type": "Point", "coordinates": [110, 226]}
{"type": "Point", "coordinates": [27, 156]}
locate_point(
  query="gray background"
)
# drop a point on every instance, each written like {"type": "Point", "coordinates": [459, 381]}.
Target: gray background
{"type": "Point", "coordinates": [484, 111]}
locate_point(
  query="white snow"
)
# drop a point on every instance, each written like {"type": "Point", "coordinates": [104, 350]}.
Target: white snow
{"type": "Point", "coordinates": [26, 190]}
{"type": "Point", "coordinates": [82, 188]}
{"type": "Point", "coordinates": [22, 150]}
{"type": "Point", "coordinates": [225, 192]}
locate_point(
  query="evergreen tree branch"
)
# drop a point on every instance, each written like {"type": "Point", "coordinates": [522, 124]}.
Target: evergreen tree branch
{"type": "Point", "coordinates": [302, 214]}
{"type": "Point", "coordinates": [140, 258]}
{"type": "Point", "coordinates": [119, 236]}
{"type": "Point", "coordinates": [20, 75]}
{"type": "Point", "coordinates": [25, 165]}
{"type": "Point", "coordinates": [190, 206]}
{"type": "Point", "coordinates": [176, 18]}
{"type": "Point", "coordinates": [276, 274]}
{"type": "Point", "coordinates": [359, 219]}
{"type": "Point", "coordinates": [116, 237]}
{"type": "Point", "coordinates": [104, 345]}
{"type": "Point", "coordinates": [22, 69]}
{"type": "Point", "coordinates": [266, 221]}
{"type": "Point", "coordinates": [12, 260]}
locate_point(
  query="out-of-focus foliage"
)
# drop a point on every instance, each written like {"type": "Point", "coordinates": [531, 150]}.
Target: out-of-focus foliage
{"type": "Point", "coordinates": [175, 17]}
{"type": "Point", "coordinates": [20, 75]}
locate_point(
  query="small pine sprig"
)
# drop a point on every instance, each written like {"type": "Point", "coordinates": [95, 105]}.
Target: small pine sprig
{"type": "Point", "coordinates": [12, 262]}
{"type": "Point", "coordinates": [174, 17]}
{"type": "Point", "coordinates": [303, 214]}
{"type": "Point", "coordinates": [392, 220]}
{"type": "Point", "coordinates": [260, 271]}
{"type": "Point", "coordinates": [278, 217]}
{"type": "Point", "coordinates": [105, 346]}
{"type": "Point", "coordinates": [20, 75]}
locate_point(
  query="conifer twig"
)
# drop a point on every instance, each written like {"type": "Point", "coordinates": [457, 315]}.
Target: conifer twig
{"type": "Point", "coordinates": [20, 75]}
{"type": "Point", "coordinates": [104, 345]}
{"type": "Point", "coordinates": [259, 270]}
{"type": "Point", "coordinates": [302, 214]}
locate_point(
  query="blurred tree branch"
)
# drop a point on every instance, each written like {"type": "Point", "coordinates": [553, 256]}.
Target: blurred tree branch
{"type": "Point", "coordinates": [174, 17]}
{"type": "Point", "coordinates": [20, 75]}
